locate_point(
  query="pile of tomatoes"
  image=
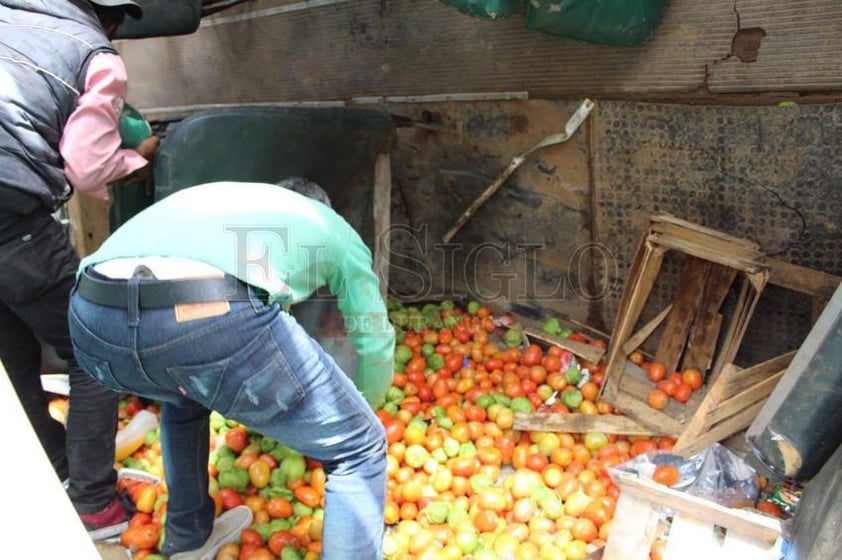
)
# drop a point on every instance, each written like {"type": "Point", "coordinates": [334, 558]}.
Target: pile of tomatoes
{"type": "Point", "coordinates": [678, 385]}
{"type": "Point", "coordinates": [462, 482]}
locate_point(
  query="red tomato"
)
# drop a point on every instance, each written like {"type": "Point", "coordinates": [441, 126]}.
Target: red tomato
{"type": "Point", "coordinates": [394, 430]}
{"type": "Point", "coordinates": [532, 356]}
{"type": "Point", "coordinates": [280, 539]}
{"type": "Point", "coordinates": [667, 475]}
{"type": "Point", "coordinates": [250, 537]}
{"type": "Point", "coordinates": [682, 392]}
{"type": "Point", "coordinates": [237, 439]}
{"type": "Point", "coordinates": [230, 498]}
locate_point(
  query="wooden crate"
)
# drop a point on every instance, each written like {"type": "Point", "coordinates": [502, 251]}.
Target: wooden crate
{"type": "Point", "coordinates": [693, 322]}
{"type": "Point", "coordinates": [696, 331]}
{"type": "Point", "coordinates": [700, 529]}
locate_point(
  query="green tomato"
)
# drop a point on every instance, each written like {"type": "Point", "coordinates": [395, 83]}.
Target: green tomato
{"type": "Point", "coordinates": [571, 398]}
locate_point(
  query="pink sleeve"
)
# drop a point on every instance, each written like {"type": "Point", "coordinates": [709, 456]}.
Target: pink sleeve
{"type": "Point", "coordinates": [90, 144]}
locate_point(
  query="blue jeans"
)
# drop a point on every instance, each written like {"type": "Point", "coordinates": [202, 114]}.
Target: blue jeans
{"type": "Point", "coordinates": [257, 366]}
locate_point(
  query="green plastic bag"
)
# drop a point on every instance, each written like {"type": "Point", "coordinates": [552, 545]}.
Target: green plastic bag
{"type": "Point", "coordinates": [609, 22]}
{"type": "Point", "coordinates": [486, 9]}
{"type": "Point", "coordinates": [133, 127]}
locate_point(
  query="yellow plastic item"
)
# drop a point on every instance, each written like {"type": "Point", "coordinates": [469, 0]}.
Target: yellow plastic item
{"type": "Point", "coordinates": [130, 438]}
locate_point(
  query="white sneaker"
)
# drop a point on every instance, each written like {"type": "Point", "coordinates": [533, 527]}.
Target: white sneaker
{"type": "Point", "coordinates": [226, 528]}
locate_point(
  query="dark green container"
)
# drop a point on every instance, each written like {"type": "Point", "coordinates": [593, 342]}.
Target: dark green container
{"type": "Point", "coordinates": [129, 196]}
{"type": "Point", "coordinates": [608, 22]}
{"type": "Point", "coordinates": [335, 147]}
{"type": "Point", "coordinates": [163, 18]}
{"type": "Point", "coordinates": [800, 426]}
{"type": "Point", "coordinates": [486, 9]}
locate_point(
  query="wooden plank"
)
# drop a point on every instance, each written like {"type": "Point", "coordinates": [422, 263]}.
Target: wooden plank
{"type": "Point", "coordinates": [724, 429]}
{"type": "Point", "coordinates": [756, 373]}
{"type": "Point", "coordinates": [740, 401]}
{"type": "Point", "coordinates": [645, 415]}
{"type": "Point", "coordinates": [534, 329]}
{"type": "Point", "coordinates": [684, 307]}
{"type": "Point", "coordinates": [691, 538]}
{"type": "Point", "coordinates": [703, 251]}
{"type": "Point", "coordinates": [745, 522]}
{"type": "Point", "coordinates": [89, 223]}
{"type": "Point", "coordinates": [802, 279]}
{"type": "Point", "coordinates": [742, 547]}
{"type": "Point", "coordinates": [635, 530]}
{"type": "Point", "coordinates": [581, 423]}
{"type": "Point", "coordinates": [667, 223]}
{"type": "Point", "coordinates": [698, 422]}
{"type": "Point", "coordinates": [382, 205]}
{"type": "Point", "coordinates": [645, 332]}
{"type": "Point", "coordinates": [741, 320]}
{"type": "Point", "coordinates": [708, 320]}
{"type": "Point", "coordinates": [646, 268]}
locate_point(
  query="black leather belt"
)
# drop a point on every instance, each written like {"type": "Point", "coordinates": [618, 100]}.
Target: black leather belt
{"type": "Point", "coordinates": [160, 293]}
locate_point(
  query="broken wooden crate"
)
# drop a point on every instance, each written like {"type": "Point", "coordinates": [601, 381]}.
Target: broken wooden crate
{"type": "Point", "coordinates": [697, 332]}
{"type": "Point", "coordinates": [700, 528]}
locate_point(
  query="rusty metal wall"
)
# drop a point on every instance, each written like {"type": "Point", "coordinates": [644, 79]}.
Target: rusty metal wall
{"type": "Point", "coordinates": [559, 236]}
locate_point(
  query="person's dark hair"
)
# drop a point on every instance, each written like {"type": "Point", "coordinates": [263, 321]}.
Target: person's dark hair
{"type": "Point", "coordinates": [110, 14]}
{"type": "Point", "coordinates": [307, 188]}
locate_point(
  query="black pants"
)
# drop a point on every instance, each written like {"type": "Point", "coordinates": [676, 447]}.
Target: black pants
{"type": "Point", "coordinates": [37, 272]}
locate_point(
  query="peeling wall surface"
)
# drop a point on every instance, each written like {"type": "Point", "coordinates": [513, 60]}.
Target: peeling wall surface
{"type": "Point", "coordinates": [273, 51]}
{"type": "Point", "coordinates": [470, 94]}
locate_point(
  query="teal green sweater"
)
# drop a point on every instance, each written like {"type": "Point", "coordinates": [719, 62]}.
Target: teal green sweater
{"type": "Point", "coordinates": [277, 240]}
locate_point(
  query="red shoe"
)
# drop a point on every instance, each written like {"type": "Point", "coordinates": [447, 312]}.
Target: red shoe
{"type": "Point", "coordinates": [110, 522]}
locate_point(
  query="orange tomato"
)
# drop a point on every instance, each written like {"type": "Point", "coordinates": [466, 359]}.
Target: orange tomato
{"type": "Point", "coordinates": [657, 371]}
{"type": "Point", "coordinates": [692, 377]}
{"type": "Point", "coordinates": [250, 537]}
{"type": "Point", "coordinates": [658, 399]}
{"type": "Point", "coordinates": [667, 475]}
{"type": "Point", "coordinates": [279, 507]}
{"type": "Point", "coordinates": [145, 536]}
{"type": "Point", "coordinates": [682, 392]}
{"type": "Point", "coordinates": [636, 357]}
{"type": "Point", "coordinates": [307, 495]}
{"type": "Point", "coordinates": [280, 539]}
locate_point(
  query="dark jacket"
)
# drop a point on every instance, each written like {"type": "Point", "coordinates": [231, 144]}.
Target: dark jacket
{"type": "Point", "coordinates": [45, 48]}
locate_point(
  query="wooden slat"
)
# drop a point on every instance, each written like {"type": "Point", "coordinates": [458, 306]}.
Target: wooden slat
{"type": "Point", "coordinates": [533, 329]}
{"type": "Point", "coordinates": [645, 415]}
{"type": "Point", "coordinates": [89, 223]}
{"type": "Point", "coordinates": [742, 547]}
{"type": "Point", "coordinates": [382, 219]}
{"type": "Point", "coordinates": [708, 320]}
{"type": "Point", "coordinates": [703, 251]}
{"type": "Point", "coordinates": [691, 286]}
{"type": "Point", "coordinates": [745, 522]}
{"type": "Point", "coordinates": [632, 536]}
{"type": "Point", "coordinates": [756, 373]}
{"type": "Point", "coordinates": [698, 422]}
{"type": "Point", "coordinates": [724, 429]}
{"type": "Point", "coordinates": [645, 332]}
{"type": "Point", "coordinates": [581, 423]}
{"type": "Point", "coordinates": [645, 270]}
{"type": "Point", "coordinates": [801, 279]}
{"type": "Point", "coordinates": [742, 400]}
{"type": "Point", "coordinates": [691, 538]}
{"type": "Point", "coordinates": [666, 223]}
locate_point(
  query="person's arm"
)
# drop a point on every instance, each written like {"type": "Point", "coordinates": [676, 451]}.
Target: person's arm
{"type": "Point", "coordinates": [366, 321]}
{"type": "Point", "coordinates": [90, 143]}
